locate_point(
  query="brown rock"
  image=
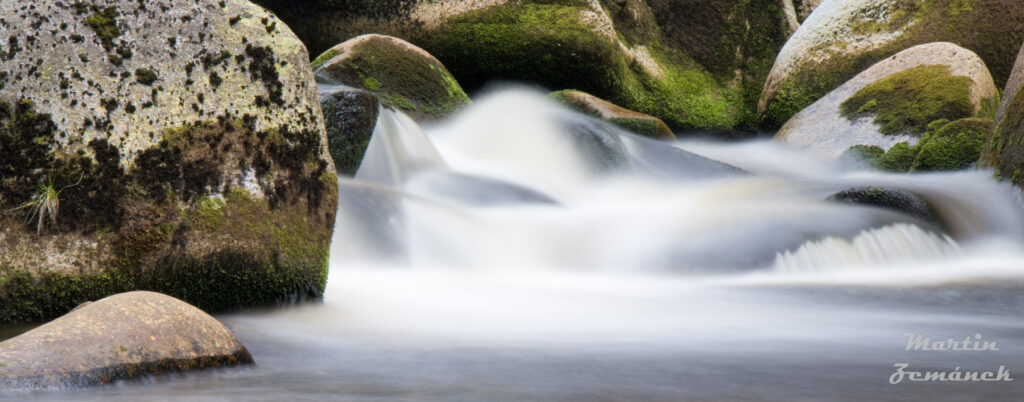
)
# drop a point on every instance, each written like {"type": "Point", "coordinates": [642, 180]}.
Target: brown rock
{"type": "Point", "coordinates": [123, 336]}
{"type": "Point", "coordinates": [631, 120]}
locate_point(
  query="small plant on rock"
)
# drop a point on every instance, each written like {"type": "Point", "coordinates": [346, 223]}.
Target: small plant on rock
{"type": "Point", "coordinates": [45, 205]}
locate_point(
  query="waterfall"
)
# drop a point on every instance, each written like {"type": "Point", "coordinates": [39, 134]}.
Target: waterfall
{"type": "Point", "coordinates": [398, 147]}
{"type": "Point", "coordinates": [872, 248]}
{"type": "Point", "coordinates": [517, 182]}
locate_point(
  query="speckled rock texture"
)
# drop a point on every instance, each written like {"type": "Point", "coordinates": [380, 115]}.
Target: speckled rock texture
{"type": "Point", "coordinates": [804, 8]}
{"type": "Point", "coordinates": [636, 122]}
{"type": "Point", "coordinates": [124, 336]}
{"type": "Point", "coordinates": [841, 38]}
{"type": "Point", "coordinates": [821, 127]}
{"type": "Point", "coordinates": [184, 142]}
{"type": "Point", "coordinates": [351, 115]}
{"type": "Point", "coordinates": [400, 74]}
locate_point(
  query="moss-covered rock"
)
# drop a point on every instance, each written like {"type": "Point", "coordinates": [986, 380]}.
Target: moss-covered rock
{"type": "Point", "coordinates": [945, 146]}
{"type": "Point", "coordinates": [889, 198]}
{"type": "Point", "coordinates": [633, 121]}
{"type": "Point", "coordinates": [128, 335]}
{"type": "Point", "coordinates": [698, 65]}
{"type": "Point", "coordinates": [1004, 148]}
{"type": "Point", "coordinates": [895, 100]}
{"type": "Point", "coordinates": [844, 37]}
{"type": "Point", "coordinates": [400, 74]}
{"type": "Point", "coordinates": [350, 115]}
{"type": "Point", "coordinates": [132, 129]}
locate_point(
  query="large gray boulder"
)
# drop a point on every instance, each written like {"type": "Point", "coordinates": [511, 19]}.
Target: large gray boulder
{"type": "Point", "coordinates": [174, 145]}
{"type": "Point", "coordinates": [123, 336]}
{"type": "Point", "coordinates": [895, 100]}
{"type": "Point", "coordinates": [841, 38]}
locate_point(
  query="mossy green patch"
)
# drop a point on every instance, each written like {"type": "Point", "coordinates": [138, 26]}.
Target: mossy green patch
{"type": "Point", "coordinates": [401, 76]}
{"type": "Point", "coordinates": [986, 27]}
{"type": "Point", "coordinates": [905, 102]}
{"type": "Point", "coordinates": [324, 58]}
{"type": "Point", "coordinates": [945, 146]}
{"type": "Point", "coordinates": [955, 146]}
{"type": "Point", "coordinates": [550, 44]}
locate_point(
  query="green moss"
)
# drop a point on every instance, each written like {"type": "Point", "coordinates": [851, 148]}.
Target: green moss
{"type": "Point", "coordinates": [899, 158]}
{"type": "Point", "coordinates": [398, 101]}
{"type": "Point", "coordinates": [165, 232]}
{"type": "Point", "coordinates": [371, 84]}
{"type": "Point", "coordinates": [324, 58]}
{"type": "Point", "coordinates": [863, 156]}
{"type": "Point", "coordinates": [954, 146]}
{"type": "Point", "coordinates": [645, 127]}
{"type": "Point", "coordinates": [986, 27]}
{"type": "Point", "coordinates": [547, 43]}
{"type": "Point", "coordinates": [401, 77]}
{"type": "Point", "coordinates": [907, 101]}
{"type": "Point", "coordinates": [104, 22]}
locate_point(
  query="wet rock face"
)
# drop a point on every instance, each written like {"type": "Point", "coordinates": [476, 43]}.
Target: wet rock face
{"type": "Point", "coordinates": [893, 199]}
{"type": "Point", "coordinates": [184, 142]}
{"type": "Point", "coordinates": [350, 115]}
{"type": "Point", "coordinates": [1004, 147]}
{"type": "Point", "coordinates": [121, 337]}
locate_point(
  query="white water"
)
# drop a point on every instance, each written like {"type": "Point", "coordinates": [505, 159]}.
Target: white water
{"type": "Point", "coordinates": [522, 252]}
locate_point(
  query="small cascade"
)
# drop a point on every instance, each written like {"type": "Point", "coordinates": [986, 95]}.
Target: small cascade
{"type": "Point", "coordinates": [397, 148]}
{"type": "Point", "coordinates": [893, 244]}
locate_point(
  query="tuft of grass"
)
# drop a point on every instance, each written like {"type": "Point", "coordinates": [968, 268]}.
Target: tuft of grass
{"type": "Point", "coordinates": [45, 205]}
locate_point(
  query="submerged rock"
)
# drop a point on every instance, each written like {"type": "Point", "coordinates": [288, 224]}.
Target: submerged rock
{"type": "Point", "coordinates": [695, 64]}
{"type": "Point", "coordinates": [894, 199]}
{"type": "Point", "coordinates": [635, 122]}
{"type": "Point", "coordinates": [350, 115]}
{"type": "Point", "coordinates": [121, 337]}
{"type": "Point", "coordinates": [400, 74]}
{"type": "Point", "coordinates": [841, 38]}
{"type": "Point", "coordinates": [173, 145]}
{"type": "Point", "coordinates": [895, 100]}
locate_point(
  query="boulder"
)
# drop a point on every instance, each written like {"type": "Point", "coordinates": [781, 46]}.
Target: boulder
{"type": "Point", "coordinates": [635, 122]}
{"type": "Point", "coordinates": [124, 336]}
{"type": "Point", "coordinates": [694, 64]}
{"type": "Point", "coordinates": [894, 199]}
{"type": "Point", "coordinates": [1004, 148]}
{"type": "Point", "coordinates": [350, 115]}
{"type": "Point", "coordinates": [844, 37]}
{"type": "Point", "coordinates": [895, 100]}
{"type": "Point", "coordinates": [400, 74]}
{"type": "Point", "coordinates": [172, 145]}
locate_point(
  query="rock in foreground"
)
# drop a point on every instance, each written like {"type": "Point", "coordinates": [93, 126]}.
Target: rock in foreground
{"type": "Point", "coordinates": [123, 336]}
{"type": "Point", "coordinates": [178, 146]}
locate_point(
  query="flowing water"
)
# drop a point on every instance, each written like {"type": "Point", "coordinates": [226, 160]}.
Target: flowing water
{"type": "Point", "coordinates": [523, 252]}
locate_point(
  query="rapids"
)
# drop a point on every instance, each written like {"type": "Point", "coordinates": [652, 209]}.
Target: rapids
{"type": "Point", "coordinates": [520, 251]}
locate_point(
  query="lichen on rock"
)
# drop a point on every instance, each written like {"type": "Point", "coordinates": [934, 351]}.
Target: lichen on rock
{"type": "Point", "coordinates": [139, 113]}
